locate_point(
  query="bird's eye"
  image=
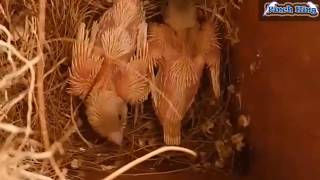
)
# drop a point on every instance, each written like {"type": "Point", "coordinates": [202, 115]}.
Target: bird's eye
{"type": "Point", "coordinates": [120, 117]}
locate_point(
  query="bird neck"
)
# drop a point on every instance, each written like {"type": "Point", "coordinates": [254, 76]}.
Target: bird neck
{"type": "Point", "coordinates": [181, 14]}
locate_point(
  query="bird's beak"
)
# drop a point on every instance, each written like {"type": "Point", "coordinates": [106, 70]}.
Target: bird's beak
{"type": "Point", "coordinates": [116, 137]}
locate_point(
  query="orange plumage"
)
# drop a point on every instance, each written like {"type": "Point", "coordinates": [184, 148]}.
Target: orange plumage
{"type": "Point", "coordinates": [181, 48]}
{"type": "Point", "coordinates": [109, 67]}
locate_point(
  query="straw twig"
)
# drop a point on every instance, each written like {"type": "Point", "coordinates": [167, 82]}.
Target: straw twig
{"type": "Point", "coordinates": [40, 74]}
{"type": "Point", "coordinates": [148, 156]}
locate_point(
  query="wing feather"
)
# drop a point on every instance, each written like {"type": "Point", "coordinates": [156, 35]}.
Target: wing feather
{"type": "Point", "coordinates": [211, 48]}
{"type": "Point", "coordinates": [125, 11]}
{"type": "Point", "coordinates": [116, 43]}
{"type": "Point", "coordinates": [85, 64]}
{"type": "Point", "coordinates": [132, 83]}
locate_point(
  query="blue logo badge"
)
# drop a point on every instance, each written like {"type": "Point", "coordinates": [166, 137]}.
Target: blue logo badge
{"type": "Point", "coordinates": [306, 9]}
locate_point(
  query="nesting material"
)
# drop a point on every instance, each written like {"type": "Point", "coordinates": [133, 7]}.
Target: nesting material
{"type": "Point", "coordinates": [65, 146]}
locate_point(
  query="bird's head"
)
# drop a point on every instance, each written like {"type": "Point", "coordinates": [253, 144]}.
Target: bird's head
{"type": "Point", "coordinates": [107, 114]}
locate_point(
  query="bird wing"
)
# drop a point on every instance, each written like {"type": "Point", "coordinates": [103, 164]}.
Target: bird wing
{"type": "Point", "coordinates": [126, 11]}
{"type": "Point", "coordinates": [121, 14]}
{"type": "Point", "coordinates": [160, 36]}
{"type": "Point", "coordinates": [161, 39]}
{"type": "Point", "coordinates": [211, 50]}
{"type": "Point", "coordinates": [85, 64]}
{"type": "Point", "coordinates": [214, 65]}
{"type": "Point", "coordinates": [118, 28]}
{"type": "Point", "coordinates": [116, 43]}
{"type": "Point", "coordinates": [132, 79]}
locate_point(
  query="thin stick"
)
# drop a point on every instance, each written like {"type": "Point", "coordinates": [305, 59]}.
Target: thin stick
{"type": "Point", "coordinates": [9, 53]}
{"type": "Point", "coordinates": [40, 77]}
{"type": "Point", "coordinates": [159, 173]}
{"type": "Point", "coordinates": [11, 128]}
{"type": "Point", "coordinates": [8, 105]}
{"type": "Point", "coordinates": [29, 65]}
{"type": "Point", "coordinates": [40, 92]}
{"type": "Point", "coordinates": [54, 68]}
{"type": "Point", "coordinates": [146, 157]}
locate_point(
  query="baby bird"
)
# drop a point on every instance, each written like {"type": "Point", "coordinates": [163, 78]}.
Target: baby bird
{"type": "Point", "coordinates": [181, 48]}
{"type": "Point", "coordinates": [109, 69]}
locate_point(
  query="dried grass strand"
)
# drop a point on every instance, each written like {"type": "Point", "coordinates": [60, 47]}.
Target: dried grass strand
{"type": "Point", "coordinates": [148, 156]}
{"type": "Point", "coordinates": [7, 106]}
{"type": "Point", "coordinates": [9, 53]}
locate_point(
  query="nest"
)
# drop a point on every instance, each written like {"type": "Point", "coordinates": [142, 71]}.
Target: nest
{"type": "Point", "coordinates": [43, 130]}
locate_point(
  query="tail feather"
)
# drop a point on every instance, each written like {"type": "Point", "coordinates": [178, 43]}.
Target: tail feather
{"type": "Point", "coordinates": [172, 133]}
